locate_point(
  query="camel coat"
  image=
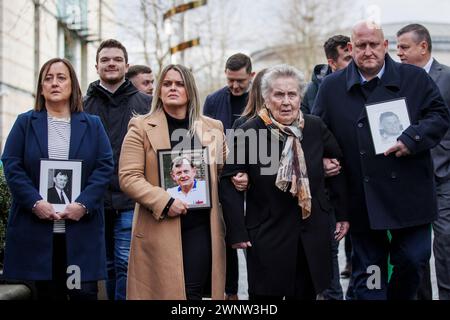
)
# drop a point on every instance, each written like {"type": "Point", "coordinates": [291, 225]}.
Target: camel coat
{"type": "Point", "coordinates": [155, 267]}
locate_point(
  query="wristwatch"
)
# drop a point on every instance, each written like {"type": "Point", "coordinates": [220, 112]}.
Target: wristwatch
{"type": "Point", "coordinates": [85, 208]}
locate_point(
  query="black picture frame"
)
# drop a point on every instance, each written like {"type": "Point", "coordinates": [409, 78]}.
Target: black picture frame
{"type": "Point", "coordinates": [197, 180]}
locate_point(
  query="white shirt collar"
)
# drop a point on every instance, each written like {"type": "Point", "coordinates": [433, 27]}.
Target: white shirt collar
{"type": "Point", "coordinates": [427, 67]}
{"type": "Point", "coordinates": [379, 75]}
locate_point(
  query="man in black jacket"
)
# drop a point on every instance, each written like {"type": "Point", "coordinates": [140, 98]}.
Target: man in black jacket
{"type": "Point", "coordinates": [338, 57]}
{"type": "Point", "coordinates": [391, 191]}
{"type": "Point", "coordinates": [115, 100]}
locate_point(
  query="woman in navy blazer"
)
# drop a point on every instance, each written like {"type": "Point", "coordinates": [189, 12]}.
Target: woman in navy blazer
{"type": "Point", "coordinates": [33, 250]}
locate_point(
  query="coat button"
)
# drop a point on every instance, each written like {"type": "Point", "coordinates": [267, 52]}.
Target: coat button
{"type": "Point", "coordinates": [417, 138]}
{"type": "Point", "coordinates": [366, 179]}
{"type": "Point", "coordinates": [393, 175]}
{"type": "Point", "coordinates": [360, 124]}
{"type": "Point", "coordinates": [362, 152]}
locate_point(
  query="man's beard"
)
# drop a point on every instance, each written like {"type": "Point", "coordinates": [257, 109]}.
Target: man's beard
{"type": "Point", "coordinates": [114, 80]}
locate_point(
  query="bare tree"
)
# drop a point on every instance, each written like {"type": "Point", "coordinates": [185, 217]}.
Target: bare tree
{"type": "Point", "coordinates": [217, 27]}
{"type": "Point", "coordinates": [306, 25]}
{"type": "Point", "coordinates": [144, 27]}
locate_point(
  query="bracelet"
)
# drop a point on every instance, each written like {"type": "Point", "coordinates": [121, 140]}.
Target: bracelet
{"type": "Point", "coordinates": [165, 211]}
{"type": "Point", "coordinates": [36, 204]}
{"type": "Point", "coordinates": [84, 207]}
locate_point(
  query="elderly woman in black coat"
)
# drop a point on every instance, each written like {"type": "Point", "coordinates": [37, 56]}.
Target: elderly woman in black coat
{"type": "Point", "coordinates": [286, 226]}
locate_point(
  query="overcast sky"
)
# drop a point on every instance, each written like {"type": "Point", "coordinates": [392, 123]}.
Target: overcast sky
{"type": "Point", "coordinates": [411, 10]}
{"type": "Point", "coordinates": [258, 24]}
{"type": "Point", "coordinates": [265, 13]}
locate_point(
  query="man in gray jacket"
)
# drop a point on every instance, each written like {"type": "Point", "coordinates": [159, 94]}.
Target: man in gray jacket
{"type": "Point", "coordinates": [414, 47]}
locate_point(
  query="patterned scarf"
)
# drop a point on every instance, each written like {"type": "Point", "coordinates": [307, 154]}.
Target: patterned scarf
{"type": "Point", "coordinates": [292, 168]}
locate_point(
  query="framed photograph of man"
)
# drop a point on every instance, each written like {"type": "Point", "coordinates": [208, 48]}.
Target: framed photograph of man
{"type": "Point", "coordinates": [60, 182]}
{"type": "Point", "coordinates": [387, 120]}
{"type": "Point", "coordinates": [184, 174]}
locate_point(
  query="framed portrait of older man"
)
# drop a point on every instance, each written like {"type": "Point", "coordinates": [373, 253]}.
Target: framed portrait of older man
{"type": "Point", "coordinates": [60, 182]}
{"type": "Point", "coordinates": [185, 175]}
{"type": "Point", "coordinates": [387, 120]}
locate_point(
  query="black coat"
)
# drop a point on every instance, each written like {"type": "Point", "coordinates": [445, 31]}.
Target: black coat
{"type": "Point", "coordinates": [387, 192]}
{"type": "Point", "coordinates": [115, 110]}
{"type": "Point", "coordinates": [218, 106]}
{"type": "Point", "coordinates": [273, 221]}
{"type": "Point", "coordinates": [319, 72]}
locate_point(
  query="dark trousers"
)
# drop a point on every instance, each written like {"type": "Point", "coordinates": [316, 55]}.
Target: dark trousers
{"type": "Point", "coordinates": [409, 249]}
{"type": "Point", "coordinates": [425, 291]}
{"type": "Point", "coordinates": [56, 289]}
{"type": "Point", "coordinates": [197, 257]}
{"type": "Point", "coordinates": [232, 274]}
{"type": "Point", "coordinates": [441, 246]}
{"type": "Point", "coordinates": [334, 292]}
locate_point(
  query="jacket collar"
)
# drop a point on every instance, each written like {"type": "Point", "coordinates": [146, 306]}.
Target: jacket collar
{"type": "Point", "coordinates": [126, 88]}
{"type": "Point", "coordinates": [390, 77]}
{"type": "Point", "coordinates": [435, 67]}
{"type": "Point", "coordinates": [77, 130]}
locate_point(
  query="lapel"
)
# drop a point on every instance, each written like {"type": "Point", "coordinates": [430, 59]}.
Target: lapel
{"type": "Point", "coordinates": [77, 132]}
{"type": "Point", "coordinates": [158, 131]}
{"type": "Point", "coordinates": [213, 138]}
{"type": "Point", "coordinates": [435, 71]}
{"type": "Point", "coordinates": [40, 125]}
{"type": "Point", "coordinates": [228, 109]}
{"type": "Point", "coordinates": [203, 132]}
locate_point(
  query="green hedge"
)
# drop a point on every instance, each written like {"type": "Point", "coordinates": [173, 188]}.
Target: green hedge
{"type": "Point", "coordinates": [5, 202]}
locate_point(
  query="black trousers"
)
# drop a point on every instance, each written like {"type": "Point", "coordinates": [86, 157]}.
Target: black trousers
{"type": "Point", "coordinates": [232, 274]}
{"type": "Point", "coordinates": [197, 257]}
{"type": "Point", "coordinates": [56, 289]}
{"type": "Point", "coordinates": [409, 251]}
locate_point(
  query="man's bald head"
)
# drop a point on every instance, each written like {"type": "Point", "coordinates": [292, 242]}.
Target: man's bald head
{"type": "Point", "coordinates": [368, 48]}
{"type": "Point", "coordinates": [366, 26]}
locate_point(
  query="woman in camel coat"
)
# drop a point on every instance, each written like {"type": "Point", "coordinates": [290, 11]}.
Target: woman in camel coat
{"type": "Point", "coordinates": [175, 252]}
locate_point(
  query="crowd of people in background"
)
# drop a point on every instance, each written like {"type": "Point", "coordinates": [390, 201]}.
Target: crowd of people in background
{"type": "Point", "coordinates": [298, 175]}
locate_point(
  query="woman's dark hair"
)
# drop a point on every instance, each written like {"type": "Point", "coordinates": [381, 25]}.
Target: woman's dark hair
{"type": "Point", "coordinates": [76, 97]}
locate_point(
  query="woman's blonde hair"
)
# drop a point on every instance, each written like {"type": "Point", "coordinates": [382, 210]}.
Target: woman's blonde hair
{"type": "Point", "coordinates": [193, 104]}
{"type": "Point", "coordinates": [255, 98]}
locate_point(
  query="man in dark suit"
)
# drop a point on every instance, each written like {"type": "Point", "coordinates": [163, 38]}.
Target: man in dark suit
{"type": "Point", "coordinates": [58, 194]}
{"type": "Point", "coordinates": [414, 46]}
{"type": "Point", "coordinates": [392, 191]}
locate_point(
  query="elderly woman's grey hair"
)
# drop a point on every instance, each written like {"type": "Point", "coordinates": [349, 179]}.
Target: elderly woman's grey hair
{"type": "Point", "coordinates": [281, 71]}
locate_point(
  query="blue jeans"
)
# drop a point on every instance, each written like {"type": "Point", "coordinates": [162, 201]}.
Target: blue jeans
{"type": "Point", "coordinates": [117, 251]}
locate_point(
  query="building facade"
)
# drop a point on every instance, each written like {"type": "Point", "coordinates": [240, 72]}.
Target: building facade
{"type": "Point", "coordinates": [34, 31]}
